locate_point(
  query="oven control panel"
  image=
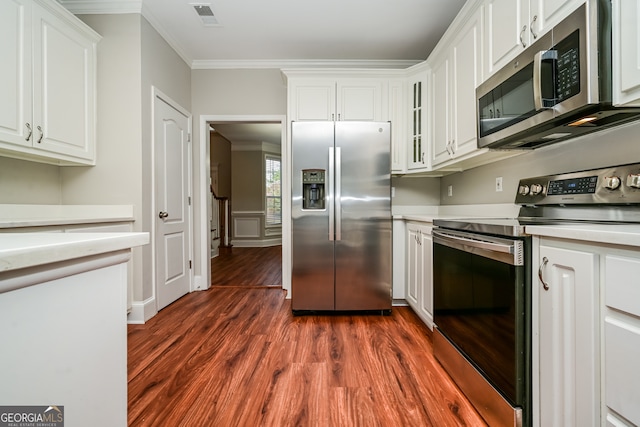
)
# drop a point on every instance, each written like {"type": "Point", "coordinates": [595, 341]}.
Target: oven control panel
{"type": "Point", "coordinates": [612, 185]}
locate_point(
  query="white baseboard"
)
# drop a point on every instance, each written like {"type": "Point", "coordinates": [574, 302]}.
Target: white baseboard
{"type": "Point", "coordinates": [256, 243]}
{"type": "Point", "coordinates": [141, 311]}
{"type": "Point", "coordinates": [199, 284]}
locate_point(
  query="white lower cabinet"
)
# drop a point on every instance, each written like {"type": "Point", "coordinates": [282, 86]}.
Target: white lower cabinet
{"type": "Point", "coordinates": [586, 335]}
{"type": "Point", "coordinates": [569, 391]}
{"type": "Point", "coordinates": [622, 339]}
{"type": "Point", "coordinates": [419, 253]}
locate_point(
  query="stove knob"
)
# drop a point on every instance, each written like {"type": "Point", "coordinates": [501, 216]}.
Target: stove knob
{"type": "Point", "coordinates": [633, 180]}
{"type": "Point", "coordinates": [611, 182]}
{"type": "Point", "coordinates": [536, 189]}
{"type": "Point", "coordinates": [523, 190]}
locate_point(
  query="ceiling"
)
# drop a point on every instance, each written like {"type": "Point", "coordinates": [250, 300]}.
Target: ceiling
{"type": "Point", "coordinates": [290, 34]}
{"type": "Point", "coordinates": [249, 133]}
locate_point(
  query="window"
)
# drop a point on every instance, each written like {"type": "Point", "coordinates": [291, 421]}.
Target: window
{"type": "Point", "coordinates": [273, 193]}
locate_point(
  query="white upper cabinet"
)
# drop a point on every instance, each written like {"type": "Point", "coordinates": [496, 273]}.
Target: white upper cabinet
{"type": "Point", "coordinates": [335, 98]}
{"type": "Point", "coordinates": [456, 73]}
{"type": "Point", "coordinates": [47, 107]}
{"type": "Point", "coordinates": [15, 72]}
{"type": "Point", "coordinates": [417, 143]}
{"type": "Point", "coordinates": [626, 58]}
{"type": "Point", "coordinates": [397, 114]}
{"type": "Point", "coordinates": [513, 25]}
{"type": "Point", "coordinates": [359, 99]}
{"type": "Point", "coordinates": [351, 95]}
{"type": "Point", "coordinates": [313, 99]}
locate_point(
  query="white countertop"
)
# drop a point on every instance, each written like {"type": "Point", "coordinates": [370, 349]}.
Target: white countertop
{"type": "Point", "coordinates": [429, 213]}
{"type": "Point", "coordinates": [617, 234]}
{"type": "Point", "coordinates": [15, 216]}
{"type": "Point", "coordinates": [22, 250]}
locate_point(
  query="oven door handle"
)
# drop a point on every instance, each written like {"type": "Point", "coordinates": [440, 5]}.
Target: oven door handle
{"type": "Point", "coordinates": [503, 250]}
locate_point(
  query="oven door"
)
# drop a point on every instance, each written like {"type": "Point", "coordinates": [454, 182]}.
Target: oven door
{"type": "Point", "coordinates": [480, 305]}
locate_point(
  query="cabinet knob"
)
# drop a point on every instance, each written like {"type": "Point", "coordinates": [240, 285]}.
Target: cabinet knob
{"type": "Point", "coordinates": [41, 134]}
{"type": "Point", "coordinates": [28, 126]}
{"type": "Point", "coordinates": [163, 215]}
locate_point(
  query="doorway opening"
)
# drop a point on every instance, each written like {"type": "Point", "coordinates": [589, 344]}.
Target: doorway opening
{"type": "Point", "coordinates": [245, 203]}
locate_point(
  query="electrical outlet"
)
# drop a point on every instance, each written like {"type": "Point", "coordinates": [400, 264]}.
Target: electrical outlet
{"type": "Point", "coordinates": [450, 191]}
{"type": "Point", "coordinates": [499, 183]}
{"type": "Point", "coordinates": [393, 191]}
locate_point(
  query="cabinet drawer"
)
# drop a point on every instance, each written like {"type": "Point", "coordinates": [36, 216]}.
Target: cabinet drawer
{"type": "Point", "coordinates": [622, 290]}
{"type": "Point", "coordinates": [622, 378]}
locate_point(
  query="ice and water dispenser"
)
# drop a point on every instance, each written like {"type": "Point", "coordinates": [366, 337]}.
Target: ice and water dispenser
{"type": "Point", "coordinates": [313, 186]}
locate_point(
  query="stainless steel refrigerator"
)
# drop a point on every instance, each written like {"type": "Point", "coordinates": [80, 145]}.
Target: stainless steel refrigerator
{"type": "Point", "coordinates": [341, 216]}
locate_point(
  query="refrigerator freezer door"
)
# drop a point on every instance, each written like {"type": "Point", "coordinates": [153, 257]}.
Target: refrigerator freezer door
{"type": "Point", "coordinates": [312, 281]}
{"type": "Point", "coordinates": [364, 229]}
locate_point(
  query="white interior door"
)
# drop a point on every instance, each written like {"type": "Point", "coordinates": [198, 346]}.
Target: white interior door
{"type": "Point", "coordinates": [173, 223]}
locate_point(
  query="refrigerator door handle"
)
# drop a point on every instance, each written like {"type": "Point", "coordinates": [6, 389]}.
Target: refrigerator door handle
{"type": "Point", "coordinates": [330, 194]}
{"type": "Point", "coordinates": [338, 201]}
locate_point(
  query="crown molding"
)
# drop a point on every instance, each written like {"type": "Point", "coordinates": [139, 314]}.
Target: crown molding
{"type": "Point", "coordinates": [300, 63]}
{"type": "Point", "coordinates": [85, 7]}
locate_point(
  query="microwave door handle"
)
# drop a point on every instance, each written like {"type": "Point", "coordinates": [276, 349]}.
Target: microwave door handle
{"type": "Point", "coordinates": [538, 58]}
{"type": "Point", "coordinates": [537, 81]}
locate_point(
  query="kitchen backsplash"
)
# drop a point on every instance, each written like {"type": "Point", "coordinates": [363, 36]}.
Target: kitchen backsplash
{"type": "Point", "coordinates": [478, 186]}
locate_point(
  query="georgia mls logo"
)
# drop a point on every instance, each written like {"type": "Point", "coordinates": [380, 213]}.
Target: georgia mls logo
{"type": "Point", "coordinates": [32, 416]}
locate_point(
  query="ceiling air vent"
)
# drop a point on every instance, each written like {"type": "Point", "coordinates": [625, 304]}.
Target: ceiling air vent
{"type": "Point", "coordinates": [206, 14]}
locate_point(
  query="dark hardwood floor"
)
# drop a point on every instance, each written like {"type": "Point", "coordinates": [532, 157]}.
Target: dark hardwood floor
{"type": "Point", "coordinates": [254, 267]}
{"type": "Point", "coordinates": [234, 355]}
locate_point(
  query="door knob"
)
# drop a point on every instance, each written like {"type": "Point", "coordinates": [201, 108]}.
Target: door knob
{"type": "Point", "coordinates": [163, 215]}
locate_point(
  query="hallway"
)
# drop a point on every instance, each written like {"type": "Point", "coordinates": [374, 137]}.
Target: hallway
{"type": "Point", "coordinates": [247, 267]}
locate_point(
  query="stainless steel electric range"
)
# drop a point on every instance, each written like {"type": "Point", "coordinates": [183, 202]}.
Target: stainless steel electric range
{"type": "Point", "coordinates": [482, 283]}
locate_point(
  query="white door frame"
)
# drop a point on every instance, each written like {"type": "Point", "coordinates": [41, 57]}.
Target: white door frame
{"type": "Point", "coordinates": [203, 215]}
{"type": "Point", "coordinates": [156, 93]}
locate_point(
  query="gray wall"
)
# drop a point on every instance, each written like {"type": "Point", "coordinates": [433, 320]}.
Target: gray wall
{"type": "Point", "coordinates": [220, 154]}
{"type": "Point", "coordinates": [416, 191]}
{"type": "Point", "coordinates": [132, 58]}
{"type": "Point", "coordinates": [247, 181]}
{"type": "Point", "coordinates": [224, 93]}
{"type": "Point", "coordinates": [605, 148]}
{"type": "Point", "coordinates": [23, 182]}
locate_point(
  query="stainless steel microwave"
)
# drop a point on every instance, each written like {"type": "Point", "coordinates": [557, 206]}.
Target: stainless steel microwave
{"type": "Point", "coordinates": [558, 88]}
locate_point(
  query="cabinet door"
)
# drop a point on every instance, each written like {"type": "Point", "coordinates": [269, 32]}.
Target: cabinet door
{"type": "Point", "coordinates": [412, 265]}
{"type": "Point", "coordinates": [359, 99]}
{"type": "Point", "coordinates": [64, 70]}
{"type": "Point", "coordinates": [15, 72]}
{"type": "Point", "coordinates": [313, 100]}
{"type": "Point", "coordinates": [544, 14]}
{"type": "Point", "coordinates": [465, 76]}
{"type": "Point", "coordinates": [507, 31]}
{"type": "Point", "coordinates": [396, 114]}
{"type": "Point", "coordinates": [440, 88]}
{"type": "Point", "coordinates": [426, 276]}
{"type": "Point", "coordinates": [568, 321]}
{"type": "Point", "coordinates": [626, 57]}
{"type": "Point", "coordinates": [418, 122]}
